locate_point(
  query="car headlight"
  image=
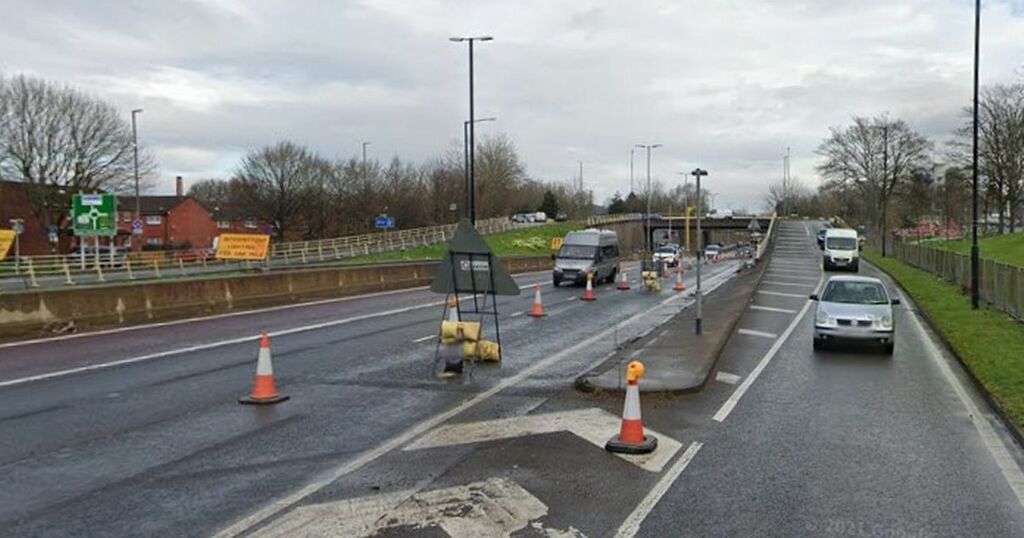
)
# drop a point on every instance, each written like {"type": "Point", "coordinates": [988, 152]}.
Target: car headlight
{"type": "Point", "coordinates": [884, 322]}
{"type": "Point", "coordinates": [822, 319]}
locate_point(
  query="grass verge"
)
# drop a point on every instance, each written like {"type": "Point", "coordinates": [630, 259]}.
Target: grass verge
{"type": "Point", "coordinates": [1007, 248]}
{"type": "Point", "coordinates": [532, 241]}
{"type": "Point", "coordinates": [988, 342]}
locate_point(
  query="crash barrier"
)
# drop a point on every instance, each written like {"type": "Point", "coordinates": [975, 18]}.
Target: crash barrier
{"type": "Point", "coordinates": [1000, 284]}
{"type": "Point", "coordinates": [42, 312]}
{"type": "Point", "coordinates": [766, 242]}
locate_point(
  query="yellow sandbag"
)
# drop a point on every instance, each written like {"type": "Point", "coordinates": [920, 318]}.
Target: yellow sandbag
{"type": "Point", "coordinates": [450, 332]}
{"type": "Point", "coordinates": [470, 330]}
{"type": "Point", "coordinates": [488, 350]}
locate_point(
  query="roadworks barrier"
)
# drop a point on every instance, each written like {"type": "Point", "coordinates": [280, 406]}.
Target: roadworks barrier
{"type": "Point", "coordinates": [30, 313]}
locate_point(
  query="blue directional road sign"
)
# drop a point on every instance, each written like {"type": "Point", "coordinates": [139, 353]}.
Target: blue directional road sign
{"type": "Point", "coordinates": [384, 222]}
{"type": "Point", "coordinates": [137, 227]}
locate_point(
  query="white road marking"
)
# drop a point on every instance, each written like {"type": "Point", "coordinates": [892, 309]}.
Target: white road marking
{"type": "Point", "coordinates": [772, 274]}
{"type": "Point", "coordinates": [762, 334]}
{"type": "Point", "coordinates": [422, 427]}
{"type": "Point", "coordinates": [594, 425]}
{"type": "Point", "coordinates": [515, 314]}
{"type": "Point", "coordinates": [1004, 460]}
{"type": "Point", "coordinates": [774, 283]}
{"type": "Point", "coordinates": [726, 377]}
{"type": "Point", "coordinates": [225, 315]}
{"type": "Point", "coordinates": [494, 507]}
{"type": "Point", "coordinates": [632, 523]}
{"type": "Point", "coordinates": [772, 309]}
{"type": "Point", "coordinates": [782, 294]}
{"type": "Point", "coordinates": [425, 338]}
{"type": "Point", "coordinates": [807, 230]}
{"type": "Point", "coordinates": [729, 404]}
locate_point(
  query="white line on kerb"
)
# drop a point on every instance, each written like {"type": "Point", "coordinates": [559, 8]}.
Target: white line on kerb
{"type": "Point", "coordinates": [632, 523]}
{"type": "Point", "coordinates": [762, 334]}
{"type": "Point", "coordinates": [729, 404]}
{"type": "Point", "coordinates": [416, 430]}
{"type": "Point", "coordinates": [771, 309]}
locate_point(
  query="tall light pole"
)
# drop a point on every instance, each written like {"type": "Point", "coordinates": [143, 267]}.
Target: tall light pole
{"type": "Point", "coordinates": [974, 163]}
{"type": "Point", "coordinates": [581, 175]}
{"type": "Point", "coordinates": [135, 161]}
{"type": "Point", "coordinates": [631, 151]}
{"type": "Point", "coordinates": [698, 173]}
{"type": "Point", "coordinates": [465, 153]}
{"type": "Point", "coordinates": [647, 235]}
{"type": "Point", "coordinates": [367, 143]}
{"type": "Point", "coordinates": [471, 210]}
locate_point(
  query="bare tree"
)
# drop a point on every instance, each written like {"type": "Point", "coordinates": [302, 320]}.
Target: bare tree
{"type": "Point", "coordinates": [59, 141]}
{"type": "Point", "coordinates": [877, 155]}
{"type": "Point", "coordinates": [276, 183]}
{"type": "Point", "coordinates": [784, 193]}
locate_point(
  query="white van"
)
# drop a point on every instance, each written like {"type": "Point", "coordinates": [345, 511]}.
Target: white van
{"type": "Point", "coordinates": [587, 251]}
{"type": "Point", "coordinates": [841, 250]}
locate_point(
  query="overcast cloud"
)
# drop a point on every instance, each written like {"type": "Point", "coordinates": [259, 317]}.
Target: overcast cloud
{"type": "Point", "coordinates": [726, 84]}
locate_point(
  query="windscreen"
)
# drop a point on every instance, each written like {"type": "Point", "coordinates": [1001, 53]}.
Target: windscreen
{"type": "Point", "coordinates": [854, 293]}
{"type": "Point", "coordinates": [841, 243]}
{"type": "Point", "coordinates": [579, 252]}
{"type": "Point", "coordinates": [666, 250]}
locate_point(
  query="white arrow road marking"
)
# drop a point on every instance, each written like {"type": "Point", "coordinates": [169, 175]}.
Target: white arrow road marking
{"type": "Point", "coordinates": [494, 507]}
{"type": "Point", "coordinates": [594, 425]}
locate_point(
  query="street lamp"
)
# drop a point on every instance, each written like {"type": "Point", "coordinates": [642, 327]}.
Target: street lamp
{"type": "Point", "coordinates": [466, 152]}
{"type": "Point", "coordinates": [136, 232]}
{"type": "Point", "coordinates": [647, 236]}
{"type": "Point", "coordinates": [367, 143]}
{"type": "Point", "coordinates": [471, 209]}
{"type": "Point", "coordinates": [698, 173]}
{"type": "Point", "coordinates": [631, 151]}
{"type": "Point", "coordinates": [974, 163]}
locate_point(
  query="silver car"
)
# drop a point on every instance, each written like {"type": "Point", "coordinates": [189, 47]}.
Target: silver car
{"type": "Point", "coordinates": [854, 309]}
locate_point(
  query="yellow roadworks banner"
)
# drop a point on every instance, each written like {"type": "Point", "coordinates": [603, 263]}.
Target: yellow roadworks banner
{"type": "Point", "coordinates": [242, 246]}
{"type": "Point", "coordinates": [556, 243]}
{"type": "Point", "coordinates": [6, 240]}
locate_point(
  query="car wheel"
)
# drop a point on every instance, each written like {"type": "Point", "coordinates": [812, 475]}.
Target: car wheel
{"type": "Point", "coordinates": [855, 268]}
{"type": "Point", "coordinates": [556, 281]}
{"type": "Point", "coordinates": [818, 344]}
{"type": "Point", "coordinates": [611, 277]}
{"type": "Point", "coordinates": [889, 348]}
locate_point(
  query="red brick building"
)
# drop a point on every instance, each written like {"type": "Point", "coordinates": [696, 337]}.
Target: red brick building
{"type": "Point", "coordinates": [15, 204]}
{"type": "Point", "coordinates": [167, 222]}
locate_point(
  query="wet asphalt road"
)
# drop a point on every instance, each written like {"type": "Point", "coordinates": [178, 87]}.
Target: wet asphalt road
{"type": "Point", "coordinates": [786, 442]}
{"type": "Point", "coordinates": [157, 445]}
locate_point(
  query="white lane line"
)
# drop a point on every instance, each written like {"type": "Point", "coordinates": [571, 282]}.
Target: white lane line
{"type": "Point", "coordinates": [729, 404]}
{"type": "Point", "coordinates": [425, 338]}
{"type": "Point", "coordinates": [1006, 463]}
{"type": "Point", "coordinates": [515, 314]}
{"type": "Point", "coordinates": [762, 334]}
{"type": "Point", "coordinates": [790, 284]}
{"type": "Point", "coordinates": [771, 309]}
{"type": "Point", "coordinates": [227, 315]}
{"type": "Point", "coordinates": [727, 378]}
{"type": "Point", "coordinates": [781, 294]}
{"type": "Point", "coordinates": [771, 274]}
{"type": "Point", "coordinates": [326, 478]}
{"type": "Point", "coordinates": [807, 230]}
{"type": "Point", "coordinates": [632, 523]}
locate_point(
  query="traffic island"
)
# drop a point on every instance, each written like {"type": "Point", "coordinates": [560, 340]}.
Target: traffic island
{"type": "Point", "coordinates": [676, 359]}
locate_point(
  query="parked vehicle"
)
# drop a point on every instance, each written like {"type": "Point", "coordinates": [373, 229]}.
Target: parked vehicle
{"type": "Point", "coordinates": [588, 251]}
{"type": "Point", "coordinates": [668, 254]}
{"type": "Point", "coordinates": [712, 251]}
{"type": "Point", "coordinates": [854, 309]}
{"type": "Point", "coordinates": [561, 217]}
{"type": "Point", "coordinates": [842, 250]}
{"type": "Point", "coordinates": [540, 216]}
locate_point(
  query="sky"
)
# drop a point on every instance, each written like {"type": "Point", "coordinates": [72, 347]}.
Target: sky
{"type": "Point", "coordinates": [726, 85]}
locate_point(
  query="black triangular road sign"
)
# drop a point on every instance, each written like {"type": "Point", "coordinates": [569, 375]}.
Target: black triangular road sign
{"type": "Point", "coordinates": [470, 267]}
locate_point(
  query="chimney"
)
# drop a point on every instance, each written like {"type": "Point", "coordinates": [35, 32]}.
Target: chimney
{"type": "Point", "coordinates": [179, 187]}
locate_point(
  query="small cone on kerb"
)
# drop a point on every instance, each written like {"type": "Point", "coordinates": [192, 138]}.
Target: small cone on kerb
{"type": "Point", "coordinates": [453, 309]}
{"type": "Point", "coordinates": [537, 310]}
{"type": "Point", "coordinates": [679, 285]}
{"type": "Point", "coordinates": [588, 294]}
{"type": "Point", "coordinates": [623, 282]}
{"type": "Point", "coordinates": [631, 438]}
{"type": "Point", "coordinates": [264, 390]}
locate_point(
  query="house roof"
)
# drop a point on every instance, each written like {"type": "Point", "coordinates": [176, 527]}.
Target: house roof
{"type": "Point", "coordinates": [153, 205]}
{"type": "Point", "coordinates": [231, 212]}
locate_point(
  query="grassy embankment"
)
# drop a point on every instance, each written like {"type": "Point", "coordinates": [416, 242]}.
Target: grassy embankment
{"type": "Point", "coordinates": [989, 342]}
{"type": "Point", "coordinates": [1008, 248]}
{"type": "Point", "coordinates": [532, 241]}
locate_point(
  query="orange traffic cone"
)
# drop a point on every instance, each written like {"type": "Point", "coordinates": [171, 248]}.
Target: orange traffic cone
{"type": "Point", "coordinates": [537, 310]}
{"type": "Point", "coordinates": [664, 270]}
{"type": "Point", "coordinates": [623, 282]}
{"type": "Point", "coordinates": [453, 309]}
{"type": "Point", "coordinates": [631, 438]}
{"type": "Point", "coordinates": [264, 390]}
{"type": "Point", "coordinates": [588, 295]}
{"type": "Point", "coordinates": [679, 285]}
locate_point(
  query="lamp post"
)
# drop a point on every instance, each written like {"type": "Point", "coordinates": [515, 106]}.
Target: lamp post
{"type": "Point", "coordinates": [136, 232]}
{"type": "Point", "coordinates": [631, 151]}
{"type": "Point", "coordinates": [471, 209]}
{"type": "Point", "coordinates": [647, 235]}
{"type": "Point", "coordinates": [465, 153]}
{"type": "Point", "coordinates": [698, 173]}
{"type": "Point", "coordinates": [367, 143]}
{"type": "Point", "coordinates": [974, 163]}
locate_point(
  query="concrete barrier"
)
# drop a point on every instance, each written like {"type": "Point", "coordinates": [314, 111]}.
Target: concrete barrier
{"type": "Point", "coordinates": [44, 312]}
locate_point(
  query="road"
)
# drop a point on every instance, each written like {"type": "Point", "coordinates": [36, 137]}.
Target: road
{"type": "Point", "coordinates": [785, 441]}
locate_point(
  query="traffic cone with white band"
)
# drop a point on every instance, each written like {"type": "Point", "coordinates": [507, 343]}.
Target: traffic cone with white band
{"type": "Point", "coordinates": [537, 310]}
{"type": "Point", "coordinates": [679, 285]}
{"type": "Point", "coordinates": [623, 282]}
{"type": "Point", "coordinates": [264, 390]}
{"type": "Point", "coordinates": [631, 438]}
{"type": "Point", "coordinates": [588, 294]}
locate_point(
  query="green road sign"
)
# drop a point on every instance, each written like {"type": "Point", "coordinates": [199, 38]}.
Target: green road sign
{"type": "Point", "coordinates": [94, 214]}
